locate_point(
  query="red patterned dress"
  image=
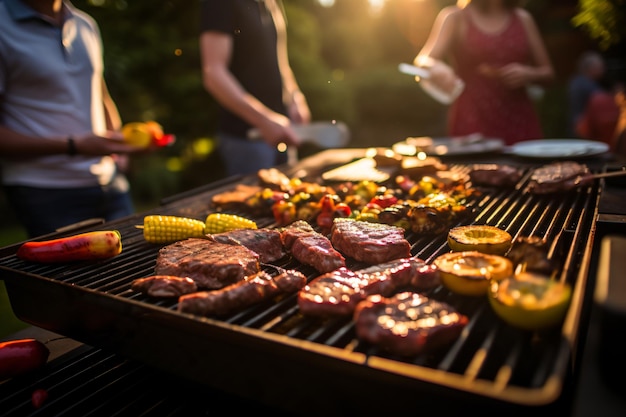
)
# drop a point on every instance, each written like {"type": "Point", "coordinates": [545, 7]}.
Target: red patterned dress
{"type": "Point", "coordinates": [486, 106]}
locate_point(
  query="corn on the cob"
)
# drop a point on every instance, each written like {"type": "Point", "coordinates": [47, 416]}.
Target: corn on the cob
{"type": "Point", "coordinates": [222, 222]}
{"type": "Point", "coordinates": [166, 229]}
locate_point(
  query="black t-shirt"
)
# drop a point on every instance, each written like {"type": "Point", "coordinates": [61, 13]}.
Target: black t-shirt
{"type": "Point", "coordinates": [254, 60]}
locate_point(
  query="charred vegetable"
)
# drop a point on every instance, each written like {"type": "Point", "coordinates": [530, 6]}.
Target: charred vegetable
{"type": "Point", "coordinates": [82, 247]}
{"type": "Point", "coordinates": [481, 238]}
{"type": "Point", "coordinates": [470, 273]}
{"type": "Point", "coordinates": [530, 301]}
{"type": "Point", "coordinates": [20, 356]}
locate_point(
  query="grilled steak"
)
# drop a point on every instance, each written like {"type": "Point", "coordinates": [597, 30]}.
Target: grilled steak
{"type": "Point", "coordinates": [372, 243]}
{"type": "Point", "coordinates": [337, 293]}
{"type": "Point", "coordinates": [242, 294]}
{"type": "Point", "coordinates": [310, 247]}
{"type": "Point", "coordinates": [404, 272]}
{"type": "Point", "coordinates": [294, 231]}
{"type": "Point", "coordinates": [495, 175]}
{"type": "Point", "coordinates": [559, 177]}
{"type": "Point", "coordinates": [266, 242]}
{"type": "Point", "coordinates": [210, 264]}
{"type": "Point", "coordinates": [164, 286]}
{"type": "Point", "coordinates": [408, 323]}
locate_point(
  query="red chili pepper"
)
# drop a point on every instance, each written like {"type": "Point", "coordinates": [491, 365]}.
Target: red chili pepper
{"type": "Point", "coordinates": [405, 183]}
{"type": "Point", "coordinates": [373, 206]}
{"type": "Point", "coordinates": [164, 140]}
{"type": "Point", "coordinates": [84, 246]}
{"type": "Point", "coordinates": [327, 203]}
{"type": "Point", "coordinates": [325, 220]}
{"type": "Point", "coordinates": [38, 397]}
{"type": "Point", "coordinates": [21, 356]}
{"type": "Point", "coordinates": [284, 212]}
{"type": "Point", "coordinates": [384, 200]}
{"type": "Point", "coordinates": [342, 210]}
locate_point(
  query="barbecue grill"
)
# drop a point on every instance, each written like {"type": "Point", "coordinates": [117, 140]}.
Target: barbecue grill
{"type": "Point", "coordinates": [272, 355]}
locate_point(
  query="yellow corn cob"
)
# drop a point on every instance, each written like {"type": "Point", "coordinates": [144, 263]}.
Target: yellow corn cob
{"type": "Point", "coordinates": [221, 222]}
{"type": "Point", "coordinates": [166, 229]}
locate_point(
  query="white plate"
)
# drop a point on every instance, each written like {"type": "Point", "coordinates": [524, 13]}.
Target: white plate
{"type": "Point", "coordinates": [462, 145]}
{"type": "Point", "coordinates": [558, 148]}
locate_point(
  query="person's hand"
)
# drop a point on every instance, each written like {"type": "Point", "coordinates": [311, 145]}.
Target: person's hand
{"type": "Point", "coordinates": [443, 76]}
{"type": "Point", "coordinates": [514, 75]}
{"type": "Point", "coordinates": [298, 109]}
{"type": "Point", "coordinates": [112, 143]}
{"type": "Point", "coordinates": [277, 129]}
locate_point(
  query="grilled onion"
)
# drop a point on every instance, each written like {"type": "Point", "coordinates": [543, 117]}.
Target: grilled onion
{"type": "Point", "coordinates": [530, 301]}
{"type": "Point", "coordinates": [481, 238]}
{"type": "Point", "coordinates": [469, 273]}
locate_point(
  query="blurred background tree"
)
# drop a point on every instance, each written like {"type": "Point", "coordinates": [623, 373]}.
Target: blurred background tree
{"type": "Point", "coordinates": [604, 20]}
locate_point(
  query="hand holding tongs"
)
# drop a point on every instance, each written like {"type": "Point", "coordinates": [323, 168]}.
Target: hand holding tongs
{"type": "Point", "coordinates": [444, 96]}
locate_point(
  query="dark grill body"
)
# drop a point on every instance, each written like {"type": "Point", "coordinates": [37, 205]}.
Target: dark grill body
{"type": "Point", "coordinates": [272, 354]}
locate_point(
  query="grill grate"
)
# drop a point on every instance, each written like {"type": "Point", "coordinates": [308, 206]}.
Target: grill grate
{"type": "Point", "coordinates": [93, 382]}
{"type": "Point", "coordinates": [490, 361]}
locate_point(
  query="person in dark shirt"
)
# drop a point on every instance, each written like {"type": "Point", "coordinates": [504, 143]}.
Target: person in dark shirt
{"type": "Point", "coordinates": [245, 67]}
{"type": "Point", "coordinates": [591, 69]}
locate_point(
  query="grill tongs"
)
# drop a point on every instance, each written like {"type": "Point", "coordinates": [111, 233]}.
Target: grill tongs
{"type": "Point", "coordinates": [587, 179]}
{"type": "Point", "coordinates": [569, 182]}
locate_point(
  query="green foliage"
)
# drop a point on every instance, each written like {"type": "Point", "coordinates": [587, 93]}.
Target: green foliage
{"type": "Point", "coordinates": [603, 19]}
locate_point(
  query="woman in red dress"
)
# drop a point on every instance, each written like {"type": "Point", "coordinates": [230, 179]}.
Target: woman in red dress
{"type": "Point", "coordinates": [495, 47]}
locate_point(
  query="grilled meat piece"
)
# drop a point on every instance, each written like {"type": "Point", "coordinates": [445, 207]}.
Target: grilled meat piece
{"type": "Point", "coordinates": [407, 324]}
{"type": "Point", "coordinates": [266, 242]}
{"type": "Point", "coordinates": [294, 231]}
{"type": "Point", "coordinates": [237, 197]}
{"type": "Point", "coordinates": [164, 286]}
{"type": "Point", "coordinates": [404, 272]}
{"type": "Point", "coordinates": [533, 253]}
{"type": "Point", "coordinates": [559, 177]}
{"type": "Point", "coordinates": [495, 175]}
{"type": "Point", "coordinates": [337, 293]}
{"type": "Point", "coordinates": [210, 264]}
{"type": "Point", "coordinates": [310, 247]}
{"type": "Point", "coordinates": [274, 179]}
{"type": "Point", "coordinates": [372, 243]}
{"type": "Point", "coordinates": [242, 294]}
